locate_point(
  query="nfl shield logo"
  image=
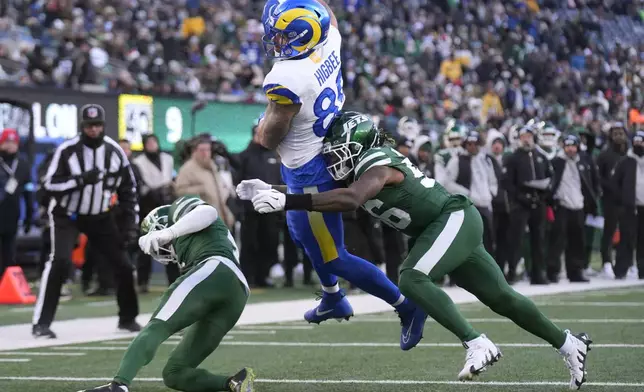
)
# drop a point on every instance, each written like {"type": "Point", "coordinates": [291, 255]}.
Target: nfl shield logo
{"type": "Point", "coordinates": [92, 112]}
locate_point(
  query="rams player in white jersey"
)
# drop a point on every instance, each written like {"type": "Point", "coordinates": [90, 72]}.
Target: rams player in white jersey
{"type": "Point", "coordinates": [304, 90]}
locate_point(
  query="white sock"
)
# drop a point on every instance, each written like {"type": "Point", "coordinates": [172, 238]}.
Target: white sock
{"type": "Point", "coordinates": [568, 345]}
{"type": "Point", "coordinates": [400, 300]}
{"type": "Point", "coordinates": [331, 290]}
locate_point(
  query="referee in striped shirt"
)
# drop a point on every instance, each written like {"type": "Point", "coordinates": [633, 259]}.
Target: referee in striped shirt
{"type": "Point", "coordinates": [84, 174]}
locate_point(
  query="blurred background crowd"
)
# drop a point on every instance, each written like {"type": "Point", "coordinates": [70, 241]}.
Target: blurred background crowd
{"type": "Point", "coordinates": [430, 72]}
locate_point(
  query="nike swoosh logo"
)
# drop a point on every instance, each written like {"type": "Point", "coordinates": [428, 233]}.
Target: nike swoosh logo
{"type": "Point", "coordinates": [318, 313]}
{"type": "Point", "coordinates": [408, 334]}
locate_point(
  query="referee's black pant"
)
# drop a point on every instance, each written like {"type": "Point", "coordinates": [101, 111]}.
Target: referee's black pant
{"type": "Point", "coordinates": [101, 232]}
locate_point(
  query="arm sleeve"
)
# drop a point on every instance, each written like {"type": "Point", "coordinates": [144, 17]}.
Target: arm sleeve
{"type": "Point", "coordinates": [126, 191]}
{"type": "Point", "coordinates": [57, 179]}
{"type": "Point", "coordinates": [197, 219]}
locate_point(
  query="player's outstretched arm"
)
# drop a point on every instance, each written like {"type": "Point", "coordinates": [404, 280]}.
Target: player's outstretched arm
{"type": "Point", "coordinates": [336, 200]}
{"type": "Point", "coordinates": [196, 220]}
{"type": "Point", "coordinates": [276, 123]}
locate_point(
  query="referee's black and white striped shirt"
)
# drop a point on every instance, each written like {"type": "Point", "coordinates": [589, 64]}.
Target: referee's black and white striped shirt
{"type": "Point", "coordinates": [72, 198]}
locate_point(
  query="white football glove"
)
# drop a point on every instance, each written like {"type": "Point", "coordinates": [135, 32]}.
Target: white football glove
{"type": "Point", "coordinates": [269, 201]}
{"type": "Point", "coordinates": [151, 242]}
{"type": "Point", "coordinates": [247, 189]}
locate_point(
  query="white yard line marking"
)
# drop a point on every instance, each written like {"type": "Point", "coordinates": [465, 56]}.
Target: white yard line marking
{"type": "Point", "coordinates": [29, 309]}
{"type": "Point", "coordinates": [249, 332]}
{"type": "Point", "coordinates": [39, 354]}
{"type": "Point", "coordinates": [15, 359]}
{"type": "Point", "coordinates": [273, 327]}
{"type": "Point", "coordinates": [100, 304]}
{"type": "Point", "coordinates": [612, 304]}
{"type": "Point", "coordinates": [503, 320]}
{"type": "Point", "coordinates": [347, 344]}
{"type": "Point", "coordinates": [381, 382]}
{"type": "Point", "coordinates": [97, 329]}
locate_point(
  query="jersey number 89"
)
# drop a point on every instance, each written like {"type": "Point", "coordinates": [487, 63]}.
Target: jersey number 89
{"type": "Point", "coordinates": [328, 103]}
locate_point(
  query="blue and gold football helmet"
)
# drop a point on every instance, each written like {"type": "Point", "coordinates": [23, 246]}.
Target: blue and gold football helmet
{"type": "Point", "coordinates": [294, 27]}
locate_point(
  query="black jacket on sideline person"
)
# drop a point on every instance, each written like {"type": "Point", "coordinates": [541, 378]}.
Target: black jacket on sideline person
{"type": "Point", "coordinates": [625, 180]}
{"type": "Point", "coordinates": [10, 203]}
{"type": "Point", "coordinates": [589, 181]}
{"type": "Point", "coordinates": [259, 232]}
{"type": "Point", "coordinates": [606, 162]}
{"type": "Point", "coordinates": [631, 217]}
{"type": "Point", "coordinates": [521, 167]}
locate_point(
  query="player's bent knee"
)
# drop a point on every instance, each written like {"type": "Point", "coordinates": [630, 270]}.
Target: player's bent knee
{"type": "Point", "coordinates": [173, 375]}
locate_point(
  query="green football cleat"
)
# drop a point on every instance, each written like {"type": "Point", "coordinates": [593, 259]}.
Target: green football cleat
{"type": "Point", "coordinates": [243, 381]}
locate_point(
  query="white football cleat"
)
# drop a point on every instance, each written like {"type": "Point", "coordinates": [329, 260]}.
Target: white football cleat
{"type": "Point", "coordinates": [607, 271]}
{"type": "Point", "coordinates": [633, 272]}
{"type": "Point", "coordinates": [481, 352]}
{"type": "Point", "coordinates": [574, 352]}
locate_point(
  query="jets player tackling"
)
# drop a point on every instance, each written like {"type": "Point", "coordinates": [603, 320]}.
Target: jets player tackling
{"type": "Point", "coordinates": [446, 231]}
{"type": "Point", "coordinates": [304, 90]}
{"type": "Point", "coordinates": [207, 299]}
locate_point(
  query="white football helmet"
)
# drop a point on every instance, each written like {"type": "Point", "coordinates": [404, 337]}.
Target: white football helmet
{"type": "Point", "coordinates": [156, 220]}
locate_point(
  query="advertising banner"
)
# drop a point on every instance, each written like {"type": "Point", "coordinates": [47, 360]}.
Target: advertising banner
{"type": "Point", "coordinates": [229, 122]}
{"type": "Point", "coordinates": [55, 111]}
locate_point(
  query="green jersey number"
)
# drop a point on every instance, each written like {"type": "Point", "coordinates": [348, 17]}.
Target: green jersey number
{"type": "Point", "coordinates": [426, 182]}
{"type": "Point", "coordinates": [394, 217]}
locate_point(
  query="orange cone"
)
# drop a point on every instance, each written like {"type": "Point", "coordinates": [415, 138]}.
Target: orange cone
{"type": "Point", "coordinates": [14, 289]}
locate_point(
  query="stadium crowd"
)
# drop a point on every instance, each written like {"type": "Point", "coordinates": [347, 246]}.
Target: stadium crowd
{"type": "Point", "coordinates": [430, 72]}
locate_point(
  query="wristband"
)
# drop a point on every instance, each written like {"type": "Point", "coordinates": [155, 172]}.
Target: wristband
{"type": "Point", "coordinates": [299, 202]}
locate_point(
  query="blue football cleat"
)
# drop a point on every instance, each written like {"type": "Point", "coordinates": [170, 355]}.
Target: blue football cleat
{"type": "Point", "coordinates": [332, 306]}
{"type": "Point", "coordinates": [413, 323]}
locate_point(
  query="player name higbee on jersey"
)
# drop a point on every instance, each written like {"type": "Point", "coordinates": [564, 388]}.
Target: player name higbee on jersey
{"type": "Point", "coordinates": [327, 68]}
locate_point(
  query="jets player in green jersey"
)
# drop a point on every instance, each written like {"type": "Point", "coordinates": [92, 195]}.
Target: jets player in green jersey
{"type": "Point", "coordinates": [206, 300]}
{"type": "Point", "coordinates": [446, 232]}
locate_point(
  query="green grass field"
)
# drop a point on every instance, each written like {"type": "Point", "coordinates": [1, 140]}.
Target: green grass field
{"type": "Point", "coordinates": [363, 354]}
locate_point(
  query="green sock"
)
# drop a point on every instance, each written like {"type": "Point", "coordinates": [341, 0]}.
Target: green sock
{"type": "Point", "coordinates": [483, 278]}
{"type": "Point", "coordinates": [141, 351]}
{"type": "Point", "coordinates": [420, 289]}
{"type": "Point", "coordinates": [526, 315]}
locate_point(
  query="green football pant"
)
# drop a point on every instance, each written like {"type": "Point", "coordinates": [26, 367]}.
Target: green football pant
{"type": "Point", "coordinates": [452, 245]}
{"type": "Point", "coordinates": [208, 301]}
